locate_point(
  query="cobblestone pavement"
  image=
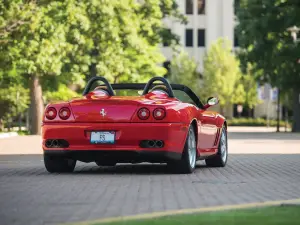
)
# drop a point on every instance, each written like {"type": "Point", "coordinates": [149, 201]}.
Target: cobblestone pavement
{"type": "Point", "coordinates": [262, 167]}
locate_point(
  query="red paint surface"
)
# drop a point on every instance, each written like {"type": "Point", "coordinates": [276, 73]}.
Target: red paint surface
{"type": "Point", "coordinates": [121, 117]}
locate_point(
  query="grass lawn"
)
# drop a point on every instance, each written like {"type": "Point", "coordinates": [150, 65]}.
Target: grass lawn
{"type": "Point", "coordinates": [283, 215]}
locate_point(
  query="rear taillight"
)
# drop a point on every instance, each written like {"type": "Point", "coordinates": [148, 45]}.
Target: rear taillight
{"type": "Point", "coordinates": [64, 113]}
{"type": "Point", "coordinates": [143, 113]}
{"type": "Point", "coordinates": [51, 113]}
{"type": "Point", "coordinates": [159, 113]}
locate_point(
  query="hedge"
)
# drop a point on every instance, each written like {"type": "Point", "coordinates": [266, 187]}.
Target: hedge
{"type": "Point", "coordinates": [254, 122]}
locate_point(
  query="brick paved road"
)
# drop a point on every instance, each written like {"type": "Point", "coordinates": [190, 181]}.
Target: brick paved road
{"type": "Point", "coordinates": [29, 195]}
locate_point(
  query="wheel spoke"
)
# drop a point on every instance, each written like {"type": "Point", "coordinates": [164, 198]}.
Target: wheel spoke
{"type": "Point", "coordinates": [192, 148]}
{"type": "Point", "coordinates": [223, 146]}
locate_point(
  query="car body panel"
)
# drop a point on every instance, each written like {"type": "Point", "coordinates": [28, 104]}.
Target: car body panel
{"type": "Point", "coordinates": [127, 136]}
{"type": "Point", "coordinates": [97, 111]}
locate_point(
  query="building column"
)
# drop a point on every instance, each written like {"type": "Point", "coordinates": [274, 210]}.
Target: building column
{"type": "Point", "coordinates": [228, 19]}
{"type": "Point", "coordinates": [195, 29]}
{"type": "Point", "coordinates": [178, 28]}
{"type": "Point", "coordinates": [213, 21]}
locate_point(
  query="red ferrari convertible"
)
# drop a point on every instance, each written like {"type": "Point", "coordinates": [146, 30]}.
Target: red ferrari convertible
{"type": "Point", "coordinates": [134, 123]}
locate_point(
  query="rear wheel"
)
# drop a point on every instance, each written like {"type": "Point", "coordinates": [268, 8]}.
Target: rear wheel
{"type": "Point", "coordinates": [187, 163]}
{"type": "Point", "coordinates": [56, 164]}
{"type": "Point", "coordinates": [220, 159]}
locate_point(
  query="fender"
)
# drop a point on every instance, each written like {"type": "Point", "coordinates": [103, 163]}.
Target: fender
{"type": "Point", "coordinates": [220, 120]}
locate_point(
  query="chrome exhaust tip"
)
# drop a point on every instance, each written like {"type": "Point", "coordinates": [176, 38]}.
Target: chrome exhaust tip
{"type": "Point", "coordinates": [151, 143]}
{"type": "Point", "coordinates": [55, 143]}
{"type": "Point", "coordinates": [48, 143]}
{"type": "Point", "coordinates": [159, 144]}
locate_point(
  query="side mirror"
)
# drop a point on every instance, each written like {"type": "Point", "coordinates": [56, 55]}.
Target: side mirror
{"type": "Point", "coordinates": [211, 101]}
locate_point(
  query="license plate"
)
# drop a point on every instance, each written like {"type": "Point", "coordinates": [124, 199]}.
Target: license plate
{"type": "Point", "coordinates": [102, 137]}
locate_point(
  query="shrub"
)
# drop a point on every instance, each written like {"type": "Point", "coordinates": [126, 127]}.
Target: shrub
{"type": "Point", "coordinates": [254, 122]}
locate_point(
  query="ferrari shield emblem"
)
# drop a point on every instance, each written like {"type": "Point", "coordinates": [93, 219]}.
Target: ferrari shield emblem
{"type": "Point", "coordinates": [102, 112]}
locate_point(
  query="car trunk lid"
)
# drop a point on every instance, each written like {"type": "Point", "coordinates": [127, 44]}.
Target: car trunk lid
{"type": "Point", "coordinates": [111, 109]}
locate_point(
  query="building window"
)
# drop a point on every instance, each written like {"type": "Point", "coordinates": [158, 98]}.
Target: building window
{"type": "Point", "coordinates": [201, 7]}
{"type": "Point", "coordinates": [167, 33]}
{"type": "Point", "coordinates": [189, 38]}
{"type": "Point", "coordinates": [201, 38]}
{"type": "Point", "coordinates": [189, 7]}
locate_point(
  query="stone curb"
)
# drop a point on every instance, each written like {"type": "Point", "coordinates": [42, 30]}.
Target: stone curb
{"type": "Point", "coordinates": [189, 211]}
{"type": "Point", "coordinates": [7, 135]}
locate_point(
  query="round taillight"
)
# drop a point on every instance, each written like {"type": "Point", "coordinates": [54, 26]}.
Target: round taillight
{"type": "Point", "coordinates": [143, 113]}
{"type": "Point", "coordinates": [64, 113]}
{"type": "Point", "coordinates": [51, 113]}
{"type": "Point", "coordinates": [159, 113]}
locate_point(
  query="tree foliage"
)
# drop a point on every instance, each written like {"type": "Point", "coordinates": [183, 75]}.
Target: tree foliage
{"type": "Point", "coordinates": [221, 73]}
{"type": "Point", "coordinates": [126, 45]}
{"type": "Point", "coordinates": [263, 36]}
{"type": "Point", "coordinates": [183, 70]}
{"type": "Point", "coordinates": [14, 95]}
{"type": "Point", "coordinates": [266, 43]}
{"type": "Point", "coordinates": [171, 10]}
{"type": "Point", "coordinates": [64, 93]}
{"type": "Point", "coordinates": [250, 87]}
{"type": "Point", "coordinates": [60, 42]}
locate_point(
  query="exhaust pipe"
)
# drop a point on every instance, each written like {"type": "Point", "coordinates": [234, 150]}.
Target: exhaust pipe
{"type": "Point", "coordinates": [55, 143]}
{"type": "Point", "coordinates": [151, 144]}
{"type": "Point", "coordinates": [48, 143]}
{"type": "Point", "coordinates": [159, 144]}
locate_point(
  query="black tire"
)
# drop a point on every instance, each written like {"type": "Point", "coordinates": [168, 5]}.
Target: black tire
{"type": "Point", "coordinates": [219, 160]}
{"type": "Point", "coordinates": [99, 163]}
{"type": "Point", "coordinates": [55, 164]}
{"type": "Point", "coordinates": [185, 166]}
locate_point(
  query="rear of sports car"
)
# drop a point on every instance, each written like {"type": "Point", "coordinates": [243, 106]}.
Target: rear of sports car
{"type": "Point", "coordinates": [113, 130]}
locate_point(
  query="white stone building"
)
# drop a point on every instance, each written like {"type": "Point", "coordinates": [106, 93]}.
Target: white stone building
{"type": "Point", "coordinates": [209, 20]}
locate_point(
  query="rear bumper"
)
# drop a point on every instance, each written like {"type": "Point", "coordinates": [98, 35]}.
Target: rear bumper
{"type": "Point", "coordinates": [128, 138]}
{"type": "Point", "coordinates": [116, 156]}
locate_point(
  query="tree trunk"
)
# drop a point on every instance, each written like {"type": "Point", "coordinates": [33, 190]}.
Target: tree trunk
{"type": "Point", "coordinates": [278, 112]}
{"type": "Point", "coordinates": [286, 118]}
{"type": "Point", "coordinates": [116, 79]}
{"type": "Point", "coordinates": [1, 125]}
{"type": "Point", "coordinates": [296, 111]}
{"type": "Point", "coordinates": [221, 110]}
{"type": "Point", "coordinates": [8, 126]}
{"type": "Point", "coordinates": [37, 106]}
{"type": "Point", "coordinates": [20, 121]}
{"type": "Point", "coordinates": [93, 66]}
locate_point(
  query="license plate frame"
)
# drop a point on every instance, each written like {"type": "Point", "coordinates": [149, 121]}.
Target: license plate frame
{"type": "Point", "coordinates": [103, 137]}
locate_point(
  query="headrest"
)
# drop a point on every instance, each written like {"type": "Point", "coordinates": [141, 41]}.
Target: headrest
{"type": "Point", "coordinates": [160, 88]}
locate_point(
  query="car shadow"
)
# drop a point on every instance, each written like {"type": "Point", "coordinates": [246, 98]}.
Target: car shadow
{"type": "Point", "coordinates": [142, 169]}
{"type": "Point", "coordinates": [27, 165]}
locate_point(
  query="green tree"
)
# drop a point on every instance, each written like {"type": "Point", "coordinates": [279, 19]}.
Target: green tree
{"type": "Point", "coordinates": [239, 94]}
{"type": "Point", "coordinates": [63, 93]}
{"type": "Point", "coordinates": [171, 10]}
{"type": "Point", "coordinates": [37, 48]}
{"type": "Point", "coordinates": [266, 43]}
{"type": "Point", "coordinates": [63, 40]}
{"type": "Point", "coordinates": [183, 70]}
{"type": "Point", "coordinates": [221, 73]}
{"type": "Point", "coordinates": [250, 87]}
{"type": "Point", "coordinates": [14, 97]}
{"type": "Point", "coordinates": [125, 41]}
